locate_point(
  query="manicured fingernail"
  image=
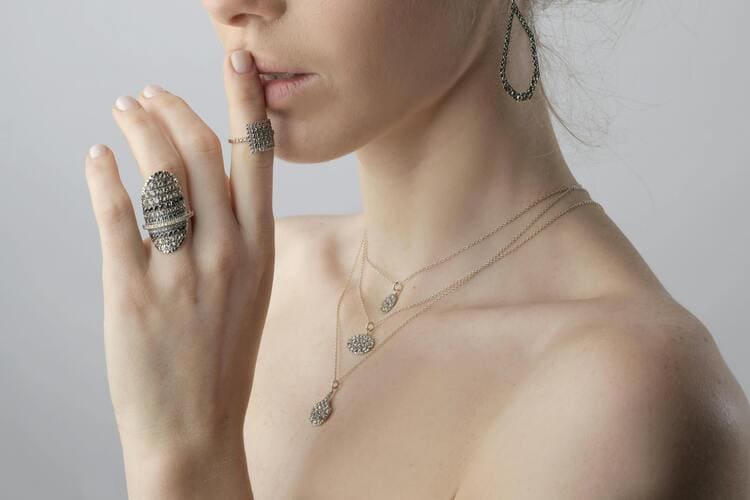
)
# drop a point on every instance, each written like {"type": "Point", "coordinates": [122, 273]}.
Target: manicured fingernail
{"type": "Point", "coordinates": [125, 102]}
{"type": "Point", "coordinates": [97, 150]}
{"type": "Point", "coordinates": [151, 90]}
{"type": "Point", "coordinates": [242, 62]}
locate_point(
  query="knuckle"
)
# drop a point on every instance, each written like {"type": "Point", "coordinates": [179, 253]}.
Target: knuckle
{"type": "Point", "coordinates": [181, 278]}
{"type": "Point", "coordinates": [202, 140]}
{"type": "Point", "coordinates": [114, 210]}
{"type": "Point", "coordinates": [167, 100]}
{"type": "Point", "coordinates": [137, 118]}
{"type": "Point", "coordinates": [224, 258]}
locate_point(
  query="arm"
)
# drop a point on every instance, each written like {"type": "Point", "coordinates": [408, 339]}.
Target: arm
{"type": "Point", "coordinates": [620, 415]}
{"type": "Point", "coordinates": [197, 472]}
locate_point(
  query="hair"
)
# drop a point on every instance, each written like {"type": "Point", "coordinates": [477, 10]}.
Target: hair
{"type": "Point", "coordinates": [547, 15]}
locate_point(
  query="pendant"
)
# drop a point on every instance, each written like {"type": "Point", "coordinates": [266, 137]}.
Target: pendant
{"type": "Point", "coordinates": [360, 344]}
{"type": "Point", "coordinates": [392, 298]}
{"type": "Point", "coordinates": [389, 302]}
{"type": "Point", "coordinates": [363, 343]}
{"type": "Point", "coordinates": [323, 409]}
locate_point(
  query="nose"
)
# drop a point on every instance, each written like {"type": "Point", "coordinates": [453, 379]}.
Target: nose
{"type": "Point", "coordinates": [237, 12]}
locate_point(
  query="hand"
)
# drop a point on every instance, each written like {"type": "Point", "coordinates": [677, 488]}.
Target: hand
{"type": "Point", "coordinates": [182, 329]}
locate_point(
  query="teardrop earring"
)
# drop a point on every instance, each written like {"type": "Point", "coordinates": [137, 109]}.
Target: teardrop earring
{"type": "Point", "coordinates": [518, 96]}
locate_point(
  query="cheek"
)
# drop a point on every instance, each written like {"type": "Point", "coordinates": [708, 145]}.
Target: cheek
{"type": "Point", "coordinates": [387, 56]}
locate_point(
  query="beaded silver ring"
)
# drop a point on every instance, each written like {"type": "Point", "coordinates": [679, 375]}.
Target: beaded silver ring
{"type": "Point", "coordinates": [165, 213]}
{"type": "Point", "coordinates": [259, 135]}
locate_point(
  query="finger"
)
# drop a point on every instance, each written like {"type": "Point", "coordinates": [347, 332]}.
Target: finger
{"type": "Point", "coordinates": [200, 150]}
{"type": "Point", "coordinates": [251, 175]}
{"type": "Point", "coordinates": [120, 238]}
{"type": "Point", "coordinates": [152, 149]}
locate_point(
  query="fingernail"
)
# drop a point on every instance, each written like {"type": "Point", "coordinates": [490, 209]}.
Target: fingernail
{"type": "Point", "coordinates": [242, 62]}
{"type": "Point", "coordinates": [125, 102]}
{"type": "Point", "coordinates": [151, 90]}
{"type": "Point", "coordinates": [97, 150]}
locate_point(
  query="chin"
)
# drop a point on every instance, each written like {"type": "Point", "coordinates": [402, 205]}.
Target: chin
{"type": "Point", "coordinates": [298, 143]}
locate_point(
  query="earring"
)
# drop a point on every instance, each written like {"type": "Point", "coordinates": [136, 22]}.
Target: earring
{"type": "Point", "coordinates": [518, 96]}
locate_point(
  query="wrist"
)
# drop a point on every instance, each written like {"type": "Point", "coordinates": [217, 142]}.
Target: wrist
{"type": "Point", "coordinates": [186, 470]}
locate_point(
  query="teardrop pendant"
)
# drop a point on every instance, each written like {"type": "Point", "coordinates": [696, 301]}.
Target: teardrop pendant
{"type": "Point", "coordinates": [525, 95]}
{"type": "Point", "coordinates": [323, 409]}
{"type": "Point", "coordinates": [390, 301]}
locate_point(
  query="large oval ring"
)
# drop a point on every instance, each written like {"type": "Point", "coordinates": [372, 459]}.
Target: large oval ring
{"type": "Point", "coordinates": [165, 213]}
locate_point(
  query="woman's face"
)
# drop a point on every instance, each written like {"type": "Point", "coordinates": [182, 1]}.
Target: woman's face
{"type": "Point", "coordinates": [377, 61]}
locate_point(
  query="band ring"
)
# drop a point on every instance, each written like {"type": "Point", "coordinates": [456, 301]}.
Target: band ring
{"type": "Point", "coordinates": [166, 216]}
{"type": "Point", "coordinates": [259, 136]}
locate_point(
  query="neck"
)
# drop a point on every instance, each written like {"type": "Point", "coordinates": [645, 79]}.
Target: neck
{"type": "Point", "coordinates": [454, 169]}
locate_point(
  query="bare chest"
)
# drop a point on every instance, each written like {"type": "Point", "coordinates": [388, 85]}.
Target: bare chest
{"type": "Point", "coordinates": [404, 421]}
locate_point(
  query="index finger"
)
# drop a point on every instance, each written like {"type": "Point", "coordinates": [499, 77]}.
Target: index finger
{"type": "Point", "coordinates": [251, 174]}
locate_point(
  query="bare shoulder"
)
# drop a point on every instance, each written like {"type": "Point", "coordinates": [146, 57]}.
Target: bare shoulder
{"type": "Point", "coordinates": [293, 230]}
{"type": "Point", "coordinates": [311, 244]}
{"type": "Point", "coordinates": [642, 406]}
{"type": "Point", "coordinates": [302, 234]}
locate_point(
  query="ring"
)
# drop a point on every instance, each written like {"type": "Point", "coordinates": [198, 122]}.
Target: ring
{"type": "Point", "coordinates": [164, 211]}
{"type": "Point", "coordinates": [259, 135]}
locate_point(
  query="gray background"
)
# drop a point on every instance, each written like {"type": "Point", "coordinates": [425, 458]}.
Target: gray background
{"type": "Point", "coordinates": [662, 93]}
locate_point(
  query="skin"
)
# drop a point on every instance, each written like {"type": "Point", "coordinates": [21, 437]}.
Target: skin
{"type": "Point", "coordinates": [579, 377]}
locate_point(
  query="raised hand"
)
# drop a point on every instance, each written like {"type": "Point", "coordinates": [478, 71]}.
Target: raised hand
{"type": "Point", "coordinates": [182, 329]}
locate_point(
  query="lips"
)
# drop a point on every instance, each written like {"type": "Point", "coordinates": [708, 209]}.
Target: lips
{"type": "Point", "coordinates": [287, 78]}
{"type": "Point", "coordinates": [269, 66]}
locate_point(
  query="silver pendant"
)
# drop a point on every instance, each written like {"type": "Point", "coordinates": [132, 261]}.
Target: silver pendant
{"type": "Point", "coordinates": [389, 302]}
{"type": "Point", "coordinates": [360, 344]}
{"type": "Point", "coordinates": [321, 411]}
{"type": "Point", "coordinates": [392, 298]}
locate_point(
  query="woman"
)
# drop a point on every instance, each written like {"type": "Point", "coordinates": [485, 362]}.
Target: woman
{"type": "Point", "coordinates": [504, 338]}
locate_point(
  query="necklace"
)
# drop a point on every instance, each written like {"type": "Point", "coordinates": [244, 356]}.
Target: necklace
{"type": "Point", "coordinates": [322, 409]}
{"type": "Point", "coordinates": [364, 342]}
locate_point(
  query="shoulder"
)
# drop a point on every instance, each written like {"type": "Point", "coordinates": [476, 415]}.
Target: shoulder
{"type": "Point", "coordinates": [644, 408]}
{"type": "Point", "coordinates": [321, 246]}
{"type": "Point", "coordinates": [300, 234]}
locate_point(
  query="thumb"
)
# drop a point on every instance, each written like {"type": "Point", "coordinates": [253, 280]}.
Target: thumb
{"type": "Point", "coordinates": [251, 174]}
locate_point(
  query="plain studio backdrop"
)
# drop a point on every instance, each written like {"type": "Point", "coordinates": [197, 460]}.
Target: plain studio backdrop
{"type": "Point", "coordinates": [660, 87]}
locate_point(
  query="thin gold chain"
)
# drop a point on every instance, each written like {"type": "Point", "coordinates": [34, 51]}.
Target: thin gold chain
{"type": "Point", "coordinates": [372, 324]}
{"type": "Point", "coordinates": [504, 252]}
{"type": "Point", "coordinates": [573, 187]}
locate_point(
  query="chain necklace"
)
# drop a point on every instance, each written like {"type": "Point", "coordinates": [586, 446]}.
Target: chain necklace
{"type": "Point", "coordinates": [363, 343]}
{"type": "Point", "coordinates": [322, 410]}
{"type": "Point", "coordinates": [391, 299]}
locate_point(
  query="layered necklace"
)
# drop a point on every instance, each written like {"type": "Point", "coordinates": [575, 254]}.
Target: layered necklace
{"type": "Point", "coordinates": [364, 343]}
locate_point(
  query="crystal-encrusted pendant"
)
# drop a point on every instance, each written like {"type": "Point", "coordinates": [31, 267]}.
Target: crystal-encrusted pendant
{"type": "Point", "coordinates": [360, 344]}
{"type": "Point", "coordinates": [392, 298]}
{"type": "Point", "coordinates": [321, 411]}
{"type": "Point", "coordinates": [389, 302]}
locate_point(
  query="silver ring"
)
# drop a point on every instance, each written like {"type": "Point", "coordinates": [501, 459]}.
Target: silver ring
{"type": "Point", "coordinates": [165, 213]}
{"type": "Point", "coordinates": [259, 135]}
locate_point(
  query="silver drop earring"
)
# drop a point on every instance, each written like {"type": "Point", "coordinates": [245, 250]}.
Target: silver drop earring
{"type": "Point", "coordinates": [525, 95]}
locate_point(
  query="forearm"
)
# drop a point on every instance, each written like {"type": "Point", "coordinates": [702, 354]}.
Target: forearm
{"type": "Point", "coordinates": [197, 472]}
